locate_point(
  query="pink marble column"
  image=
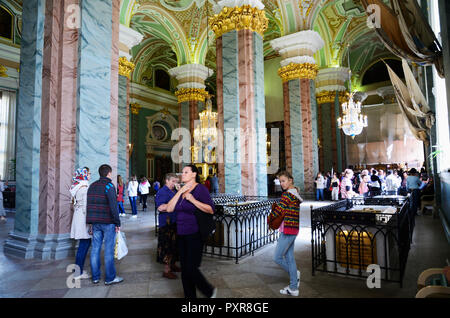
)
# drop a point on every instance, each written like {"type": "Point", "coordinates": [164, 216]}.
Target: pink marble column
{"type": "Point", "coordinates": [58, 119]}
{"type": "Point", "coordinates": [114, 129]}
{"type": "Point", "coordinates": [247, 110]}
{"type": "Point", "coordinates": [307, 128]}
{"type": "Point", "coordinates": [287, 127]}
{"type": "Point", "coordinates": [220, 118]}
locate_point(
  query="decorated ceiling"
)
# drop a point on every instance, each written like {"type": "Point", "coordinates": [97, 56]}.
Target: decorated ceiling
{"type": "Point", "coordinates": [176, 32]}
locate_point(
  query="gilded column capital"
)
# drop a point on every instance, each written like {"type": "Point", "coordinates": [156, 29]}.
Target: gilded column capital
{"type": "Point", "coordinates": [3, 71]}
{"type": "Point", "coordinates": [135, 108]}
{"type": "Point", "coordinates": [125, 67]}
{"type": "Point", "coordinates": [191, 94]}
{"type": "Point", "coordinates": [295, 71]}
{"type": "Point", "coordinates": [236, 18]}
{"type": "Point", "coordinates": [325, 97]}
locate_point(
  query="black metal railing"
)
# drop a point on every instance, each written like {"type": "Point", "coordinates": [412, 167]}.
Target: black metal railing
{"type": "Point", "coordinates": [241, 225]}
{"type": "Point", "coordinates": [241, 228]}
{"type": "Point", "coordinates": [346, 242]}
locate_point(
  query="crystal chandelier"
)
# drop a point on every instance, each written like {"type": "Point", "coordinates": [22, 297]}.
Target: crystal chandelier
{"type": "Point", "coordinates": [205, 134]}
{"type": "Point", "coordinates": [352, 122]}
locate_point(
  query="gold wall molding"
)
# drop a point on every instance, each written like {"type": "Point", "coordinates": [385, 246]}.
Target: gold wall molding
{"type": "Point", "coordinates": [330, 96]}
{"type": "Point", "coordinates": [191, 94]}
{"type": "Point", "coordinates": [125, 67]}
{"type": "Point", "coordinates": [239, 18]}
{"type": "Point", "coordinates": [135, 108]}
{"type": "Point", "coordinates": [296, 71]}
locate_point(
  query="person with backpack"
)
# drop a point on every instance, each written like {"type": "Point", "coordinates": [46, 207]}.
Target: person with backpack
{"type": "Point", "coordinates": [191, 198]}
{"type": "Point", "coordinates": [103, 216]}
{"type": "Point", "coordinates": [289, 205]}
{"type": "Point", "coordinates": [79, 230]}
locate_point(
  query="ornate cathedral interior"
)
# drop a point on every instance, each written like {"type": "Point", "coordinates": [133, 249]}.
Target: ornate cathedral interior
{"type": "Point", "coordinates": [242, 89]}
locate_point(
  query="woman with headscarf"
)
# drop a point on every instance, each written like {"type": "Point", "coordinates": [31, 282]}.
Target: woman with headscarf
{"type": "Point", "coordinates": [80, 230]}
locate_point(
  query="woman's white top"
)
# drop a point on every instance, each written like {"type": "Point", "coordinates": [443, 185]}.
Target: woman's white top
{"type": "Point", "coordinates": [132, 188]}
{"type": "Point", "coordinates": [79, 229]}
{"type": "Point", "coordinates": [144, 187]}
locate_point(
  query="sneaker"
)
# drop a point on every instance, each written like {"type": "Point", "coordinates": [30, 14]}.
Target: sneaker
{"type": "Point", "coordinates": [95, 281]}
{"type": "Point", "coordinates": [288, 291]}
{"type": "Point", "coordinates": [214, 294]}
{"type": "Point", "coordinates": [298, 279]}
{"type": "Point", "coordinates": [134, 216]}
{"type": "Point", "coordinates": [3, 219]}
{"type": "Point", "coordinates": [85, 275]}
{"type": "Point", "coordinates": [115, 281]}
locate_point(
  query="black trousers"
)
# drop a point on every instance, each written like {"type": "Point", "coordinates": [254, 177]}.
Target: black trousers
{"type": "Point", "coordinates": [190, 253]}
{"type": "Point", "coordinates": [144, 200]}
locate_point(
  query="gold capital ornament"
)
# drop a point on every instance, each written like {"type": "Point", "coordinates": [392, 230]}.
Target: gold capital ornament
{"type": "Point", "coordinates": [135, 108]}
{"type": "Point", "coordinates": [239, 18]}
{"type": "Point", "coordinates": [295, 71]}
{"type": "Point", "coordinates": [191, 94]}
{"type": "Point", "coordinates": [125, 67]}
{"type": "Point", "coordinates": [330, 96]}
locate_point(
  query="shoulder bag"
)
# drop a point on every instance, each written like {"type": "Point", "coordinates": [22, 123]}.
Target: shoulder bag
{"type": "Point", "coordinates": [206, 224]}
{"type": "Point", "coordinates": [274, 222]}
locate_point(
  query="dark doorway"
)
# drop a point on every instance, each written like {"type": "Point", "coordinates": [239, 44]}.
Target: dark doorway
{"type": "Point", "coordinates": [163, 165]}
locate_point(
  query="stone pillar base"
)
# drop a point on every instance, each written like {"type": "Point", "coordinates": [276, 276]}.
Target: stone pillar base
{"type": "Point", "coordinates": [41, 246]}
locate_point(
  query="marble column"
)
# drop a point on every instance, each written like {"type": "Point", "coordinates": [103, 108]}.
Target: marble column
{"type": "Point", "coordinates": [330, 93]}
{"type": "Point", "coordinates": [242, 166]}
{"type": "Point", "coordinates": [98, 63]}
{"type": "Point", "coordinates": [191, 94]}
{"type": "Point", "coordinates": [48, 121]}
{"type": "Point", "coordinates": [128, 38]}
{"type": "Point", "coordinates": [298, 71]}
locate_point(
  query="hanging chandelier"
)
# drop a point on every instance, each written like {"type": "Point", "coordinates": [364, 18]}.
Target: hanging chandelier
{"type": "Point", "coordinates": [352, 122]}
{"type": "Point", "coordinates": [205, 134]}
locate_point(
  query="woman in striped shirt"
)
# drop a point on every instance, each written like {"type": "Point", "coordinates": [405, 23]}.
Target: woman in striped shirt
{"type": "Point", "coordinates": [284, 253]}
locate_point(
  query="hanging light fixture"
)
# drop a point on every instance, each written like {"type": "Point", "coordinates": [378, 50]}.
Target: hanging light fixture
{"type": "Point", "coordinates": [205, 134]}
{"type": "Point", "coordinates": [352, 121]}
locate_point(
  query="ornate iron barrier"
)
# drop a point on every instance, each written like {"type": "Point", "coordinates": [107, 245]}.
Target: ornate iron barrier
{"type": "Point", "coordinates": [349, 235]}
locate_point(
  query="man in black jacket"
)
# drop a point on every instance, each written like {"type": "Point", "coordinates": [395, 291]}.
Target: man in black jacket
{"type": "Point", "coordinates": [103, 215]}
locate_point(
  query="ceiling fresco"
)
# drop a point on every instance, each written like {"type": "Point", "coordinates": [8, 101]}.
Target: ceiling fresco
{"type": "Point", "coordinates": [182, 25]}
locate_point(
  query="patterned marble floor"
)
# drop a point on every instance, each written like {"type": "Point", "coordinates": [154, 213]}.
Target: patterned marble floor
{"type": "Point", "coordinates": [254, 277]}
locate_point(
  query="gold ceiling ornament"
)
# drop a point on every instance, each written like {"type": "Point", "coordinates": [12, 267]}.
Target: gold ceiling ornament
{"type": "Point", "coordinates": [239, 18]}
{"type": "Point", "coordinates": [295, 71]}
{"type": "Point", "coordinates": [330, 96]}
{"type": "Point", "coordinates": [191, 94]}
{"type": "Point", "coordinates": [3, 71]}
{"type": "Point", "coordinates": [125, 67]}
{"type": "Point", "coordinates": [135, 108]}
{"type": "Point", "coordinates": [165, 112]}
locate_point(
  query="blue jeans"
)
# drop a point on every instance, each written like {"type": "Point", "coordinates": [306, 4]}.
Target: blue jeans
{"type": "Point", "coordinates": [284, 256]}
{"type": "Point", "coordinates": [133, 205]}
{"type": "Point", "coordinates": [120, 207]}
{"type": "Point", "coordinates": [100, 232]}
{"type": "Point", "coordinates": [319, 193]}
{"type": "Point", "coordinates": [83, 248]}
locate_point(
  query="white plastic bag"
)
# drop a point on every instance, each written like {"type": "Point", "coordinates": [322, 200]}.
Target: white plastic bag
{"type": "Point", "coordinates": [121, 249]}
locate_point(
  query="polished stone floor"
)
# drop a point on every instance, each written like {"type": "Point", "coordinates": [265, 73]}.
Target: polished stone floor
{"type": "Point", "coordinates": [254, 277]}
